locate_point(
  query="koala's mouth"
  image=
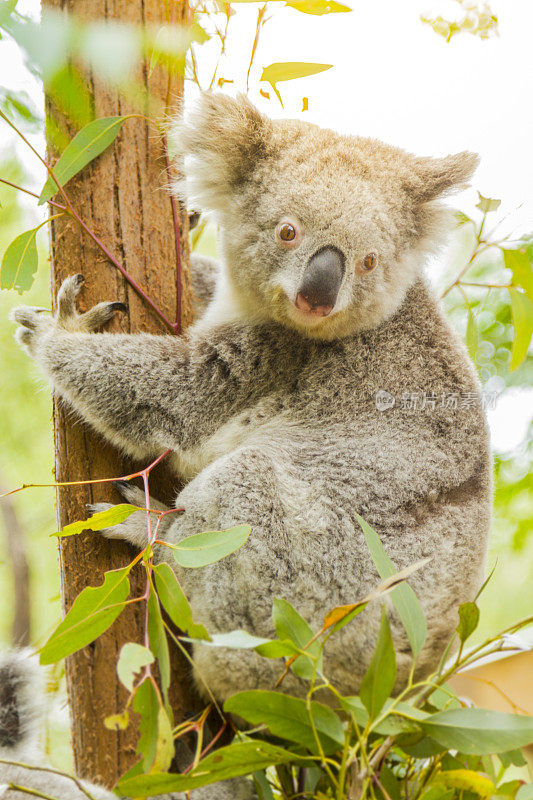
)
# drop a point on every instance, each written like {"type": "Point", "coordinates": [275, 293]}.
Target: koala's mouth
{"type": "Point", "coordinates": [320, 284]}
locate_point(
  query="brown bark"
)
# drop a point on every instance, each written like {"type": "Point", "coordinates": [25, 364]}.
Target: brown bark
{"type": "Point", "coordinates": [121, 196]}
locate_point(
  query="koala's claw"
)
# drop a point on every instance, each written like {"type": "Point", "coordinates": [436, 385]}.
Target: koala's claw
{"type": "Point", "coordinates": [66, 297]}
{"type": "Point", "coordinates": [96, 508]}
{"type": "Point", "coordinates": [99, 314]}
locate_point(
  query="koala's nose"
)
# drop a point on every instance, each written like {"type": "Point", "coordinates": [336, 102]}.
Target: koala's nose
{"type": "Point", "coordinates": [321, 282]}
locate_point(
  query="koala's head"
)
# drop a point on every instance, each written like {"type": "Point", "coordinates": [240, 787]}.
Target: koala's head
{"type": "Point", "coordinates": [321, 232]}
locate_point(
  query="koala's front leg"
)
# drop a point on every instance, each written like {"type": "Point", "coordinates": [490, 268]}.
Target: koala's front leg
{"type": "Point", "coordinates": [149, 393]}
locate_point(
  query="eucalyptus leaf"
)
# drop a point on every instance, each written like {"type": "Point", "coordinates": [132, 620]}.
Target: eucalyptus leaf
{"type": "Point", "coordinates": [158, 640]}
{"type": "Point", "coordinates": [92, 140]}
{"type": "Point", "coordinates": [93, 612]}
{"type": "Point", "coordinates": [519, 263]}
{"type": "Point", "coordinates": [290, 625]}
{"type": "Point", "coordinates": [175, 602]}
{"type": "Point", "coordinates": [378, 681]}
{"type": "Point", "coordinates": [288, 718]}
{"type": "Point", "coordinates": [241, 758]}
{"type": "Point", "coordinates": [403, 597]}
{"type": "Point", "coordinates": [466, 780]}
{"type": "Point", "coordinates": [102, 519]}
{"type": "Point", "coordinates": [487, 204]}
{"type": "Point", "coordinates": [522, 313]}
{"type": "Point", "coordinates": [468, 620]}
{"type": "Point", "coordinates": [476, 731]}
{"type": "Point", "coordinates": [164, 749]}
{"type": "Point", "coordinates": [117, 722]}
{"type": "Point", "coordinates": [19, 263]}
{"type": "Point", "coordinates": [317, 7]}
{"type": "Point", "coordinates": [202, 549]}
{"type": "Point", "coordinates": [133, 657]}
{"type": "Point", "coordinates": [288, 71]}
{"type": "Point", "coordinates": [145, 703]}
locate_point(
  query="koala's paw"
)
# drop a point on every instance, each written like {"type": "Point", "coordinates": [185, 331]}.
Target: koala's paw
{"type": "Point", "coordinates": [34, 323]}
{"type": "Point", "coordinates": [134, 529]}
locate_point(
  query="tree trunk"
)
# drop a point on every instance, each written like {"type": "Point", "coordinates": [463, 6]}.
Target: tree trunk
{"type": "Point", "coordinates": [122, 198]}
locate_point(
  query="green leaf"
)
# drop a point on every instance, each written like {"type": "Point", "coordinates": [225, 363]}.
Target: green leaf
{"type": "Point", "coordinates": [236, 640]}
{"type": "Point", "coordinates": [487, 204]}
{"type": "Point", "coordinates": [145, 703]}
{"type": "Point", "coordinates": [378, 682]}
{"type": "Point", "coordinates": [93, 612]}
{"type": "Point", "coordinates": [19, 263]}
{"type": "Point", "coordinates": [241, 758]}
{"type": "Point", "coordinates": [475, 731]}
{"type": "Point", "coordinates": [472, 335]}
{"type": "Point", "coordinates": [202, 549]}
{"type": "Point", "coordinates": [393, 724]}
{"type": "Point", "coordinates": [317, 7]}
{"type": "Point", "coordinates": [468, 620]}
{"type": "Point", "coordinates": [461, 218]}
{"type": "Point", "coordinates": [158, 640]}
{"type": "Point", "coordinates": [438, 793]}
{"type": "Point", "coordinates": [514, 757]}
{"type": "Point", "coordinates": [102, 519]}
{"type": "Point", "coordinates": [522, 312]}
{"type": "Point", "coordinates": [133, 657]}
{"type": "Point", "coordinates": [520, 265]}
{"type": "Point", "coordinates": [175, 602]}
{"type": "Point", "coordinates": [466, 780]}
{"type": "Point", "coordinates": [403, 598]}
{"type": "Point", "coordinates": [288, 718]}
{"type": "Point", "coordinates": [289, 71]}
{"type": "Point", "coordinates": [262, 786]}
{"type": "Point", "coordinates": [290, 625]}
{"type": "Point", "coordinates": [164, 751]}
{"type": "Point", "coordinates": [276, 649]}
{"type": "Point", "coordinates": [117, 722]}
{"type": "Point", "coordinates": [92, 140]}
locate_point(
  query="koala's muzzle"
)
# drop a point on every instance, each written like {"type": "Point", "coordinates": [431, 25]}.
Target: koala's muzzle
{"type": "Point", "coordinates": [321, 282]}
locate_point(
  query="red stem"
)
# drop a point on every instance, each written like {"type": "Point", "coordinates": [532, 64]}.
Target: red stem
{"type": "Point", "coordinates": [121, 269]}
{"type": "Point", "coordinates": [27, 191]}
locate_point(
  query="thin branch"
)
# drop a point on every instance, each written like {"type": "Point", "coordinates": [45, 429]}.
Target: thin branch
{"type": "Point", "coordinates": [260, 21]}
{"type": "Point", "coordinates": [34, 792]}
{"type": "Point", "coordinates": [33, 194]}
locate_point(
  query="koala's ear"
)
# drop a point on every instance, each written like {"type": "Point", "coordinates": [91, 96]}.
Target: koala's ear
{"type": "Point", "coordinates": [220, 141]}
{"type": "Point", "coordinates": [435, 177]}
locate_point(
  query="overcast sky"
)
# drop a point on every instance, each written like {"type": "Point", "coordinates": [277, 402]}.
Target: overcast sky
{"type": "Point", "coordinates": [395, 79]}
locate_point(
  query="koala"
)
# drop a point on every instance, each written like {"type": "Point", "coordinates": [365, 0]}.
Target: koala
{"type": "Point", "coordinates": [321, 382]}
{"type": "Point", "coordinates": [22, 763]}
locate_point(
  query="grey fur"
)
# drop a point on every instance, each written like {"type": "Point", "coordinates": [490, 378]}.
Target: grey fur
{"type": "Point", "coordinates": [274, 420]}
{"type": "Point", "coordinates": [20, 719]}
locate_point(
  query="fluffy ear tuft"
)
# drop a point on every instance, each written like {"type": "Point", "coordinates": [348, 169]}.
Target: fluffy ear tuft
{"type": "Point", "coordinates": [221, 141]}
{"type": "Point", "coordinates": [435, 177]}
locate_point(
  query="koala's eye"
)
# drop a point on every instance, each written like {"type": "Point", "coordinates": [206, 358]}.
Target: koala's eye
{"type": "Point", "coordinates": [288, 232]}
{"type": "Point", "coordinates": [367, 264]}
